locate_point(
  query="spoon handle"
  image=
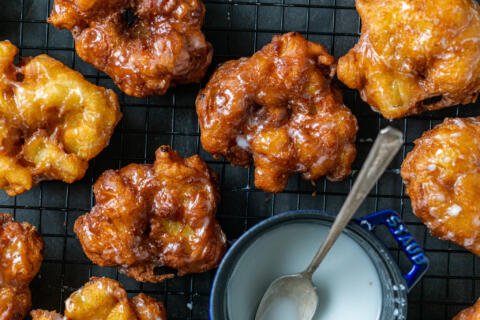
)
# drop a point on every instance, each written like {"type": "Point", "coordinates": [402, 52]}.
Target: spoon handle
{"type": "Point", "coordinates": [386, 146]}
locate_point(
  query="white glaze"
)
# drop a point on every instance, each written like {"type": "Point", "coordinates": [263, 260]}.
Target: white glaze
{"type": "Point", "coordinates": [348, 283]}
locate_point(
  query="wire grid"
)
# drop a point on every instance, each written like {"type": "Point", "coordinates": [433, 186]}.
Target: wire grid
{"type": "Point", "coordinates": [235, 28]}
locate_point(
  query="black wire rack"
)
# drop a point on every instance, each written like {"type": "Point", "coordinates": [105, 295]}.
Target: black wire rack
{"type": "Point", "coordinates": [235, 28]}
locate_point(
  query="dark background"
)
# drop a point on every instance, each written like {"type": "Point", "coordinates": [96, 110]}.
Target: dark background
{"type": "Point", "coordinates": [235, 28]}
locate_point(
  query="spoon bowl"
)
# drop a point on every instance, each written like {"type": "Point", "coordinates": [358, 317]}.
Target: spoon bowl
{"type": "Point", "coordinates": [296, 294]}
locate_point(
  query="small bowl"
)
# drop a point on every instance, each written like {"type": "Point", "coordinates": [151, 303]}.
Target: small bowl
{"type": "Point", "coordinates": [357, 280]}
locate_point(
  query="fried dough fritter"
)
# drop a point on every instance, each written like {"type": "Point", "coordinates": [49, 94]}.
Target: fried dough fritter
{"type": "Point", "coordinates": [148, 216]}
{"type": "Point", "coordinates": [52, 121]}
{"type": "Point", "coordinates": [163, 46]}
{"type": "Point", "coordinates": [442, 175]}
{"type": "Point", "coordinates": [46, 315]}
{"type": "Point", "coordinates": [472, 313]}
{"type": "Point", "coordinates": [105, 299]}
{"type": "Point", "coordinates": [279, 108]}
{"type": "Point", "coordinates": [415, 55]}
{"type": "Point", "coordinates": [21, 249]}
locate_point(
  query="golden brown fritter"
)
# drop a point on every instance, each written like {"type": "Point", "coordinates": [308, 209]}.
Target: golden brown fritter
{"type": "Point", "coordinates": [21, 250]}
{"type": "Point", "coordinates": [148, 216]}
{"type": "Point", "coordinates": [52, 121]}
{"type": "Point", "coordinates": [415, 55]}
{"type": "Point", "coordinates": [472, 313]}
{"type": "Point", "coordinates": [279, 108]}
{"type": "Point", "coordinates": [442, 177]}
{"type": "Point", "coordinates": [162, 46]}
{"type": "Point", "coordinates": [105, 299]}
{"type": "Point", "coordinates": [46, 315]}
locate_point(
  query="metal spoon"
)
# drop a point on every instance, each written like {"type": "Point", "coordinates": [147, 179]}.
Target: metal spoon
{"type": "Point", "coordinates": [298, 289]}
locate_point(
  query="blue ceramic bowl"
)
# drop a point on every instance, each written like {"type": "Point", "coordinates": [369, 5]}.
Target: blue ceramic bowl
{"type": "Point", "coordinates": [359, 273]}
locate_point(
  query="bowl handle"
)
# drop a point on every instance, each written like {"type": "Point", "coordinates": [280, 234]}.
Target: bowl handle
{"type": "Point", "coordinates": [405, 240]}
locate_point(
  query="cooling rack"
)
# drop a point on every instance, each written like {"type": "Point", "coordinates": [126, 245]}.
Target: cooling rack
{"type": "Point", "coordinates": [235, 28]}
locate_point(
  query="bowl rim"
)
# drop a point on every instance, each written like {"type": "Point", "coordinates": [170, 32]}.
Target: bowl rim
{"type": "Point", "coordinates": [235, 251]}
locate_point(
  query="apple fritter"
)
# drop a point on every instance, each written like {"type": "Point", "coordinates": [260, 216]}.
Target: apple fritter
{"type": "Point", "coordinates": [415, 55]}
{"type": "Point", "coordinates": [149, 216]}
{"type": "Point", "coordinates": [105, 299]}
{"type": "Point", "coordinates": [472, 313]}
{"type": "Point", "coordinates": [21, 249]}
{"type": "Point", "coordinates": [280, 109]}
{"type": "Point", "coordinates": [52, 121]}
{"type": "Point", "coordinates": [442, 178]}
{"type": "Point", "coordinates": [46, 315]}
{"type": "Point", "coordinates": [161, 45]}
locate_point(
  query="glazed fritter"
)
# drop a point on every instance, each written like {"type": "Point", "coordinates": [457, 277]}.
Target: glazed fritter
{"type": "Point", "coordinates": [46, 315]}
{"type": "Point", "coordinates": [415, 55]}
{"type": "Point", "coordinates": [149, 216]}
{"type": "Point", "coordinates": [105, 299]}
{"type": "Point", "coordinates": [442, 177]}
{"type": "Point", "coordinates": [21, 249]}
{"type": "Point", "coordinates": [279, 108]}
{"type": "Point", "coordinates": [161, 45]}
{"type": "Point", "coordinates": [472, 313]}
{"type": "Point", "coordinates": [52, 121]}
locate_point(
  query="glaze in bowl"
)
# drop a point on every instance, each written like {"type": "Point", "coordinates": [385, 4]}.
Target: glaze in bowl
{"type": "Point", "coordinates": [359, 279]}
